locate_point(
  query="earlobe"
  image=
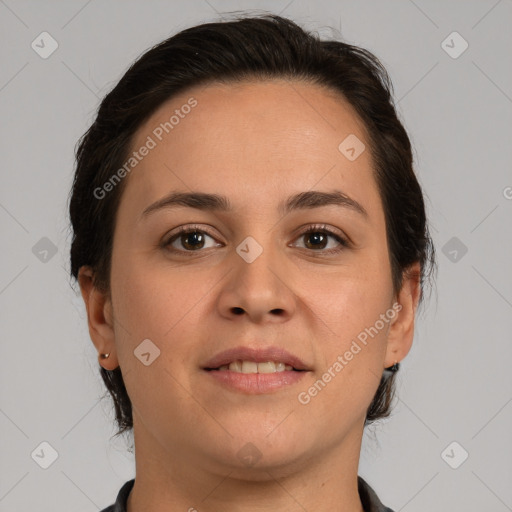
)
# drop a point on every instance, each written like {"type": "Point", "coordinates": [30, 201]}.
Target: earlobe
{"type": "Point", "coordinates": [99, 317]}
{"type": "Point", "coordinates": [401, 332]}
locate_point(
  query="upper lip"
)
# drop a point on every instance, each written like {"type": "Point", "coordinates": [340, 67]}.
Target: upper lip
{"type": "Point", "coordinates": [258, 355]}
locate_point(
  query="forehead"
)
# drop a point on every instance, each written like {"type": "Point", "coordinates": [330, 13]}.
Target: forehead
{"type": "Point", "coordinates": [253, 138]}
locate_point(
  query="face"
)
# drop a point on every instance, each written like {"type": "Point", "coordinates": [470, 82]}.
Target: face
{"type": "Point", "coordinates": [310, 280]}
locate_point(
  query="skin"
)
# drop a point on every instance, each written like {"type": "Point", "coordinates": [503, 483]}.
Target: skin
{"type": "Point", "coordinates": [257, 143]}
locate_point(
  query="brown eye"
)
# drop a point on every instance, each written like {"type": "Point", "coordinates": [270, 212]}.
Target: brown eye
{"type": "Point", "coordinates": [316, 238]}
{"type": "Point", "coordinates": [188, 240]}
{"type": "Point", "coordinates": [192, 240]}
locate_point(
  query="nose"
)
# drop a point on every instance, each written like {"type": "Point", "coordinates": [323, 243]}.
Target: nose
{"type": "Point", "coordinates": [259, 289]}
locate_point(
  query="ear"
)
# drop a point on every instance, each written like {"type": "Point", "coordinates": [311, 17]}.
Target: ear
{"type": "Point", "coordinates": [99, 317]}
{"type": "Point", "coordinates": [401, 331]}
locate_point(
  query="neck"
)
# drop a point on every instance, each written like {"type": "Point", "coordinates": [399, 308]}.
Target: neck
{"type": "Point", "coordinates": [169, 480]}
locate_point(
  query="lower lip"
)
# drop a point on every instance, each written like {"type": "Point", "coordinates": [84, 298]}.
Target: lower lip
{"type": "Point", "coordinates": [256, 383]}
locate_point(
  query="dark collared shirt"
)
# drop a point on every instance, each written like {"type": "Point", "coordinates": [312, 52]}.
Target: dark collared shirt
{"type": "Point", "coordinates": [369, 499]}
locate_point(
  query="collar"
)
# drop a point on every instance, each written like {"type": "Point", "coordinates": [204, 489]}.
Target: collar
{"type": "Point", "coordinates": [369, 499]}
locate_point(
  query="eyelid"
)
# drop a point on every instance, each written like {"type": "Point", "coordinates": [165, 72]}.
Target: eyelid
{"type": "Point", "coordinates": [343, 240]}
{"type": "Point", "coordinates": [185, 229]}
{"type": "Point", "coordinates": [308, 228]}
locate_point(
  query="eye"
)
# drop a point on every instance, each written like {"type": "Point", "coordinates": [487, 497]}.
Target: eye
{"type": "Point", "coordinates": [193, 239]}
{"type": "Point", "coordinates": [190, 239]}
{"type": "Point", "coordinates": [317, 236]}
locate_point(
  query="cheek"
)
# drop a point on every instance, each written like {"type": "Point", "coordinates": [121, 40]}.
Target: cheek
{"type": "Point", "coordinates": [349, 300]}
{"type": "Point", "coordinates": [161, 304]}
{"type": "Point", "coordinates": [351, 332]}
{"type": "Point", "coordinates": [163, 307]}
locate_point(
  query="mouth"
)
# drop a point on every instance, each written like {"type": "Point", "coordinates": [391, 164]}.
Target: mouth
{"type": "Point", "coordinates": [256, 360]}
{"type": "Point", "coordinates": [240, 366]}
{"type": "Point", "coordinates": [256, 371]}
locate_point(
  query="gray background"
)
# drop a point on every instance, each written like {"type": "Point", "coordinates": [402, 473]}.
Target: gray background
{"type": "Point", "coordinates": [455, 384]}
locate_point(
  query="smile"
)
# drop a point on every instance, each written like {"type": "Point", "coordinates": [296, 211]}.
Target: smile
{"type": "Point", "coordinates": [254, 367]}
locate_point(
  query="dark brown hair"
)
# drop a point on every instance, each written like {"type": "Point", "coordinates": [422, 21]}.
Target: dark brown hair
{"type": "Point", "coordinates": [259, 47]}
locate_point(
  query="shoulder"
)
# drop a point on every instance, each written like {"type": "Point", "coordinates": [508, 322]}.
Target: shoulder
{"type": "Point", "coordinates": [122, 498]}
{"type": "Point", "coordinates": [369, 499]}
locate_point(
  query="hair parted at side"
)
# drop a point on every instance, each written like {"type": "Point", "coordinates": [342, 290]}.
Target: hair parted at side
{"type": "Point", "coordinates": [256, 47]}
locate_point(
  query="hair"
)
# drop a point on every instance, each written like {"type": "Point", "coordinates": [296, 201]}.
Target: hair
{"type": "Point", "coordinates": [263, 47]}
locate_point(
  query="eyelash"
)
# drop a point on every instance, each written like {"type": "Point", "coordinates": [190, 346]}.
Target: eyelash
{"type": "Point", "coordinates": [315, 228]}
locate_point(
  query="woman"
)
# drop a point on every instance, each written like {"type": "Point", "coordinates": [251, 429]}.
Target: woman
{"type": "Point", "coordinates": [251, 245]}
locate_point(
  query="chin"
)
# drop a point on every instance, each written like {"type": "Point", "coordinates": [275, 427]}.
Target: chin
{"type": "Point", "coordinates": [255, 455]}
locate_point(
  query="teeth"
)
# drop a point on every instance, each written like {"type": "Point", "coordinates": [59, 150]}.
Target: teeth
{"type": "Point", "coordinates": [253, 367]}
{"type": "Point", "coordinates": [250, 367]}
{"type": "Point", "coordinates": [269, 367]}
{"type": "Point", "coordinates": [235, 366]}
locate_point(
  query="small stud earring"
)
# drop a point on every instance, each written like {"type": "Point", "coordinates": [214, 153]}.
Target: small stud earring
{"type": "Point", "coordinates": [105, 356]}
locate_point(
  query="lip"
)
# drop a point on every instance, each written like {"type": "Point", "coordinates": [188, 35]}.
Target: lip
{"type": "Point", "coordinates": [255, 383]}
{"type": "Point", "coordinates": [257, 355]}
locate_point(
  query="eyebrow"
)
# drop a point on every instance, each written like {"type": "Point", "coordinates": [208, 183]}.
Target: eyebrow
{"type": "Point", "coordinates": [215, 202]}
